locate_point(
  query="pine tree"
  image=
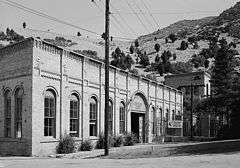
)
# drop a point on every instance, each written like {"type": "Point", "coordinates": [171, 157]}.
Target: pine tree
{"type": "Point", "coordinates": [222, 70]}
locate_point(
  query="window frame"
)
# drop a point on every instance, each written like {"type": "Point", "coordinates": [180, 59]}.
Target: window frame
{"type": "Point", "coordinates": [74, 120]}
{"type": "Point", "coordinates": [18, 96]}
{"type": "Point", "coordinates": [153, 111]}
{"type": "Point", "coordinates": [93, 116]}
{"type": "Point", "coordinates": [50, 96]}
{"type": "Point", "coordinates": [122, 116]}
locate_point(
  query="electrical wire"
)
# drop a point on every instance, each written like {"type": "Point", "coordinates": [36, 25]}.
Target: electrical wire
{"type": "Point", "coordinates": [126, 23]}
{"type": "Point", "coordinates": [140, 20]}
{"type": "Point", "coordinates": [149, 12]}
{"type": "Point", "coordinates": [117, 21]}
{"type": "Point", "coordinates": [17, 5]}
{"type": "Point", "coordinates": [43, 15]}
{"type": "Point", "coordinates": [143, 14]}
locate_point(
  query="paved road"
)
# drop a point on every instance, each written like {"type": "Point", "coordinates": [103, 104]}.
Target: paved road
{"type": "Point", "coordinates": [196, 161]}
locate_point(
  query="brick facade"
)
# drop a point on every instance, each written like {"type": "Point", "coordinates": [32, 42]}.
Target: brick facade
{"type": "Point", "coordinates": [37, 66]}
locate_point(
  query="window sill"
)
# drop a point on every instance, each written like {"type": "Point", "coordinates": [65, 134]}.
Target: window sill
{"type": "Point", "coordinates": [93, 138]}
{"type": "Point", "coordinates": [48, 139]}
{"type": "Point", "coordinates": [3, 139]}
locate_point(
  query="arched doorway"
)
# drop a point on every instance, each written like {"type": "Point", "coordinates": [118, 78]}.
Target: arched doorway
{"type": "Point", "coordinates": [138, 110]}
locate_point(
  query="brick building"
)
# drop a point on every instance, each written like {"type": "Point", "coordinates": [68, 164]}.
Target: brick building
{"type": "Point", "coordinates": [204, 124]}
{"type": "Point", "coordinates": [47, 91]}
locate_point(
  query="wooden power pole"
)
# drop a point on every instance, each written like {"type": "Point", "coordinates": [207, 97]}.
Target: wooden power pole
{"type": "Point", "coordinates": [107, 20]}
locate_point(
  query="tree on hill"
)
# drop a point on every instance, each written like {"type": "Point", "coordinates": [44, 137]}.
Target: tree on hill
{"type": "Point", "coordinates": [223, 67]}
{"type": "Point", "coordinates": [78, 34]}
{"type": "Point", "coordinates": [172, 37]}
{"type": "Point", "coordinates": [24, 25]}
{"type": "Point", "coordinates": [225, 100]}
{"type": "Point", "coordinates": [11, 35]}
{"type": "Point", "coordinates": [183, 45]}
{"type": "Point", "coordinates": [131, 49]}
{"type": "Point", "coordinates": [120, 60]}
{"type": "Point", "coordinates": [144, 60]}
{"type": "Point", "coordinates": [195, 45]}
{"type": "Point", "coordinates": [157, 47]}
{"type": "Point", "coordinates": [136, 43]}
{"type": "Point", "coordinates": [192, 39]}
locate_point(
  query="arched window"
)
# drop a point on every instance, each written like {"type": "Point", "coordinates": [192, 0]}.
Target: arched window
{"type": "Point", "coordinates": [74, 115]}
{"type": "Point", "coordinates": [8, 116]}
{"type": "Point", "coordinates": [110, 117]}
{"type": "Point", "coordinates": [153, 120]}
{"type": "Point", "coordinates": [122, 118]}
{"type": "Point", "coordinates": [93, 117]}
{"type": "Point", "coordinates": [49, 113]}
{"type": "Point", "coordinates": [18, 112]}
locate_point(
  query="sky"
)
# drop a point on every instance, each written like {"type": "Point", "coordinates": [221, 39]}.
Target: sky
{"type": "Point", "coordinates": [124, 22]}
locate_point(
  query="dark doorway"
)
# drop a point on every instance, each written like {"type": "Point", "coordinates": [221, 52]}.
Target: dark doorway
{"type": "Point", "coordinates": [138, 126]}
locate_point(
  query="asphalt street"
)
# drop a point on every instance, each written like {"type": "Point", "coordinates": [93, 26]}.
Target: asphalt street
{"type": "Point", "coordinates": [230, 160]}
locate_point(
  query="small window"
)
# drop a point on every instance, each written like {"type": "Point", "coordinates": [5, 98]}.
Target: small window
{"type": "Point", "coordinates": [167, 115]}
{"type": "Point", "coordinates": [74, 115]}
{"type": "Point", "coordinates": [173, 114]}
{"type": "Point", "coordinates": [8, 116]}
{"type": "Point", "coordinates": [49, 113]}
{"type": "Point", "coordinates": [93, 117]}
{"type": "Point", "coordinates": [122, 118]}
{"type": "Point", "coordinates": [18, 112]}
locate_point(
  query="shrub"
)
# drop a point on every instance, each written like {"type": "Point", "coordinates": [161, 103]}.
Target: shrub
{"type": "Point", "coordinates": [172, 37]}
{"type": "Point", "coordinates": [66, 145]}
{"type": "Point", "coordinates": [157, 47]}
{"type": "Point", "coordinates": [183, 45]}
{"type": "Point", "coordinates": [86, 145]}
{"type": "Point", "coordinates": [101, 141]}
{"type": "Point", "coordinates": [129, 139]}
{"type": "Point", "coordinates": [117, 141]}
{"type": "Point", "coordinates": [144, 60]}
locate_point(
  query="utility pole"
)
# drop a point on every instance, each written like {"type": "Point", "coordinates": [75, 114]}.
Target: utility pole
{"type": "Point", "coordinates": [107, 20]}
{"type": "Point", "coordinates": [191, 116]}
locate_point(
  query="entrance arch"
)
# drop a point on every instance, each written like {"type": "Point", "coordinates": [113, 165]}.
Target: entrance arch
{"type": "Point", "coordinates": [138, 113]}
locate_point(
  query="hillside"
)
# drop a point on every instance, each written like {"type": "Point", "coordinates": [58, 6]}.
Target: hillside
{"type": "Point", "coordinates": [200, 31]}
{"type": "Point", "coordinates": [70, 42]}
{"type": "Point", "coordinates": [226, 25]}
{"type": "Point", "coordinates": [190, 26]}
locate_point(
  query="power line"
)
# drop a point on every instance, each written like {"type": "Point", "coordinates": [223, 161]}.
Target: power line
{"type": "Point", "coordinates": [130, 28]}
{"type": "Point", "coordinates": [43, 15]}
{"type": "Point", "coordinates": [143, 14]}
{"type": "Point", "coordinates": [102, 11]}
{"type": "Point", "coordinates": [115, 18]}
{"type": "Point", "coordinates": [17, 5]}
{"type": "Point", "coordinates": [129, 5]}
{"type": "Point", "coordinates": [168, 13]}
{"type": "Point", "coordinates": [149, 12]}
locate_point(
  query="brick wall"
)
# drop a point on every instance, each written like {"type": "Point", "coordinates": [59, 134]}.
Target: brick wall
{"type": "Point", "coordinates": [66, 73]}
